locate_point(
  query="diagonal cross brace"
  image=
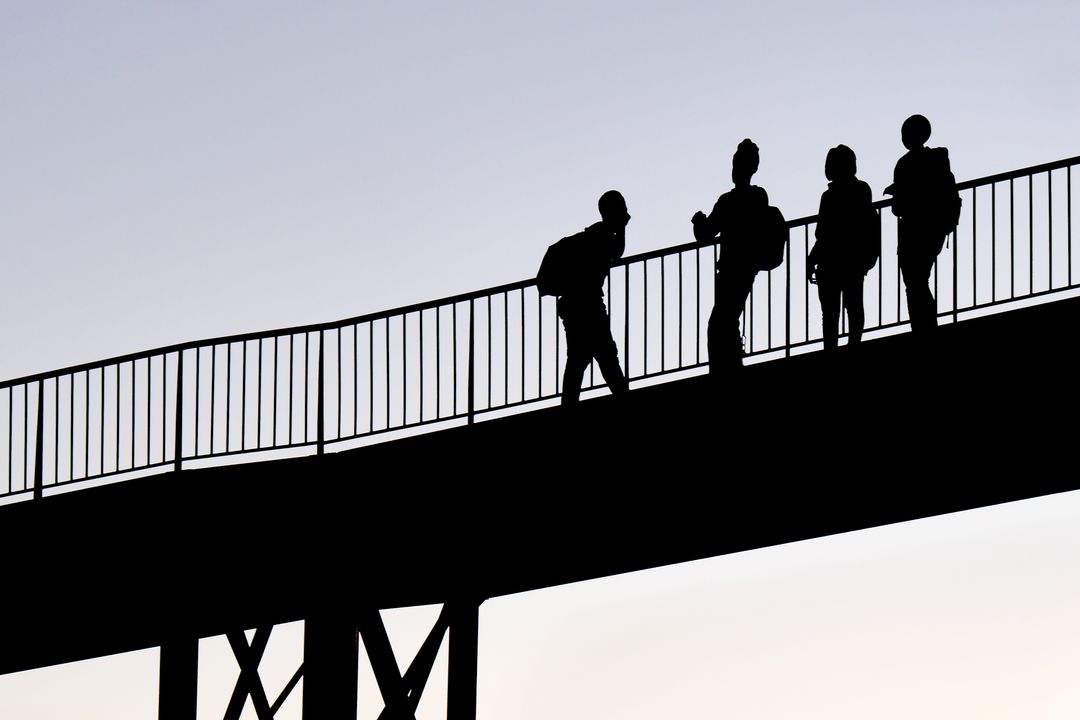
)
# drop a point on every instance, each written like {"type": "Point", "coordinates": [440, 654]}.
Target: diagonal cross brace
{"type": "Point", "coordinates": [249, 683]}
{"type": "Point", "coordinates": [401, 694]}
{"type": "Point", "coordinates": [289, 687]}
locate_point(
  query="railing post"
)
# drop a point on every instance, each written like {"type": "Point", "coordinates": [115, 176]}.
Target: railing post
{"type": "Point", "coordinates": [178, 441]}
{"type": "Point", "coordinates": [955, 284]}
{"type": "Point", "coordinates": [38, 453]}
{"type": "Point", "coordinates": [461, 675]}
{"type": "Point", "coordinates": [787, 298]}
{"type": "Point", "coordinates": [626, 318]}
{"type": "Point", "coordinates": [472, 363]}
{"type": "Point", "coordinates": [320, 409]}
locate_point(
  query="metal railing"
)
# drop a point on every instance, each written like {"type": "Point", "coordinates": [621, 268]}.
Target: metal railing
{"type": "Point", "coordinates": [453, 360]}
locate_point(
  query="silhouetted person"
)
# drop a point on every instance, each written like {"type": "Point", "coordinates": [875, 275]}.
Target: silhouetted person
{"type": "Point", "coordinates": [847, 246]}
{"type": "Point", "coordinates": [735, 217]}
{"type": "Point", "coordinates": [581, 301]}
{"type": "Point", "coordinates": [926, 202]}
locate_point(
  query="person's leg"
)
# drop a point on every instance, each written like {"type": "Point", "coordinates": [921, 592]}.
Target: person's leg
{"type": "Point", "coordinates": [930, 310]}
{"type": "Point", "coordinates": [712, 338]}
{"type": "Point", "coordinates": [604, 349]}
{"type": "Point", "coordinates": [915, 268]}
{"type": "Point", "coordinates": [577, 355]}
{"type": "Point", "coordinates": [719, 330]}
{"type": "Point", "coordinates": [743, 285]}
{"type": "Point", "coordinates": [853, 303]}
{"type": "Point", "coordinates": [829, 296]}
{"type": "Point", "coordinates": [733, 285]}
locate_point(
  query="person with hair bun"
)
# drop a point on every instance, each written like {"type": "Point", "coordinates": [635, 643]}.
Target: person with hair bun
{"type": "Point", "coordinates": [735, 217]}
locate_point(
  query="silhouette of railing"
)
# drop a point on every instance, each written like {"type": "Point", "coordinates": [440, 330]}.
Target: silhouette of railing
{"type": "Point", "coordinates": [451, 361]}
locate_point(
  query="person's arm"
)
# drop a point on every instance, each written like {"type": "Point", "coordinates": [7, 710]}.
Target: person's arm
{"type": "Point", "coordinates": [897, 189]}
{"type": "Point", "coordinates": [869, 228]}
{"type": "Point", "coordinates": [820, 235]}
{"type": "Point", "coordinates": [863, 207]}
{"type": "Point", "coordinates": [707, 227]}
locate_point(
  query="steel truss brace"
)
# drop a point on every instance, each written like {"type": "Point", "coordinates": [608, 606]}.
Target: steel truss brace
{"type": "Point", "coordinates": [249, 684]}
{"type": "Point", "coordinates": [400, 693]}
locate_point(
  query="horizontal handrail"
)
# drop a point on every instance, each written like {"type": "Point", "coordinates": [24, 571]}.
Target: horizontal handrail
{"type": "Point", "coordinates": [452, 360]}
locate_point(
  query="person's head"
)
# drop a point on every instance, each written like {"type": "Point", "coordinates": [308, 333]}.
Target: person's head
{"type": "Point", "coordinates": [745, 162]}
{"type": "Point", "coordinates": [840, 163]}
{"type": "Point", "coordinates": [613, 210]}
{"type": "Point", "coordinates": [915, 132]}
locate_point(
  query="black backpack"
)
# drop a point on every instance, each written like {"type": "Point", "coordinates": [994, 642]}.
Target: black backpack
{"type": "Point", "coordinates": [929, 194]}
{"type": "Point", "coordinates": [938, 193]}
{"type": "Point", "coordinates": [946, 197]}
{"type": "Point", "coordinates": [771, 241]}
{"type": "Point", "coordinates": [557, 268]}
{"type": "Point", "coordinates": [950, 206]}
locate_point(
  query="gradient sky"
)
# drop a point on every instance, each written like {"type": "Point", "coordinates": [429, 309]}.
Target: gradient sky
{"type": "Point", "coordinates": [969, 615]}
{"type": "Point", "coordinates": [177, 171]}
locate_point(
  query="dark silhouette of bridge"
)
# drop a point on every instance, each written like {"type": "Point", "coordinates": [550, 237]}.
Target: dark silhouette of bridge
{"type": "Point", "coordinates": [415, 456]}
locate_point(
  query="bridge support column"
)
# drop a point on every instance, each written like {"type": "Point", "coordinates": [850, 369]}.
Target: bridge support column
{"type": "Point", "coordinates": [461, 685]}
{"type": "Point", "coordinates": [330, 668]}
{"type": "Point", "coordinates": [178, 684]}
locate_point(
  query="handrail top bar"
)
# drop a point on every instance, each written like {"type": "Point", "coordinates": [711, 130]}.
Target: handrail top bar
{"type": "Point", "coordinates": [267, 334]}
{"type": "Point", "coordinates": [1022, 172]}
{"type": "Point", "coordinates": [469, 296]}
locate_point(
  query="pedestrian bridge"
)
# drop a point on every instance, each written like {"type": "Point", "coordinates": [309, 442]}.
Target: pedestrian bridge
{"type": "Point", "coordinates": [418, 455]}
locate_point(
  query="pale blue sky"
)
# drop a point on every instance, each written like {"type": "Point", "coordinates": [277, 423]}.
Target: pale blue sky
{"type": "Point", "coordinates": [175, 171]}
{"type": "Point", "coordinates": [171, 172]}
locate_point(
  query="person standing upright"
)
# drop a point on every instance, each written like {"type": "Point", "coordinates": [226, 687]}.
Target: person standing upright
{"type": "Point", "coordinates": [736, 217]}
{"type": "Point", "coordinates": [848, 244]}
{"type": "Point", "coordinates": [928, 205]}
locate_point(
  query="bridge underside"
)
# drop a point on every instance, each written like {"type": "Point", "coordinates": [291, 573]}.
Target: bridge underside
{"type": "Point", "coordinates": [785, 451]}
